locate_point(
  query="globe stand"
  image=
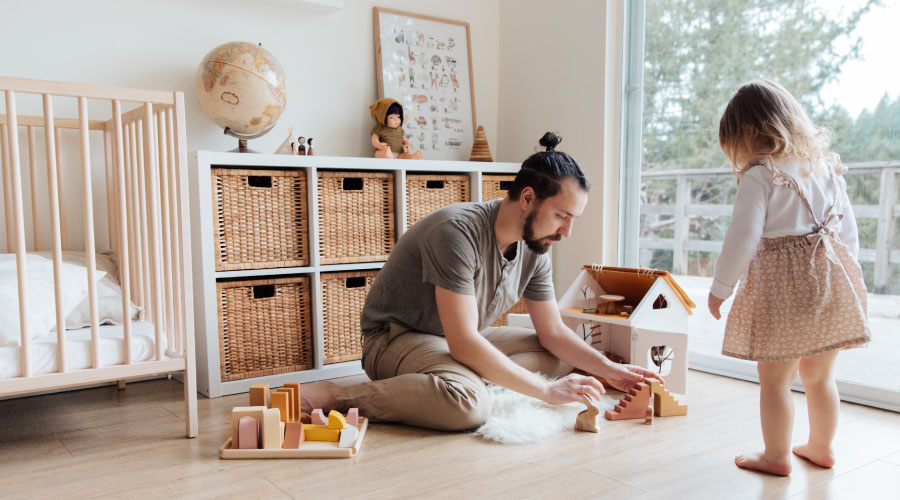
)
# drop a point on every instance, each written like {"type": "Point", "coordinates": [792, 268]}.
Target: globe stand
{"type": "Point", "coordinates": [243, 138]}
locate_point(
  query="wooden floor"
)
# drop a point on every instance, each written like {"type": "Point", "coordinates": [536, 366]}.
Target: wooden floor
{"type": "Point", "coordinates": [105, 443]}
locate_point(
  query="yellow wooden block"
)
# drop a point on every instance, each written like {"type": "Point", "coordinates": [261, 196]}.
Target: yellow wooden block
{"type": "Point", "coordinates": [336, 421]}
{"type": "Point", "coordinates": [290, 402]}
{"type": "Point", "coordinates": [295, 395]}
{"type": "Point", "coordinates": [320, 433]}
{"type": "Point", "coordinates": [281, 400]}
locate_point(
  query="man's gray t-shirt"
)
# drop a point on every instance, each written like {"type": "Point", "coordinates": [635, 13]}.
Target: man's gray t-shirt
{"type": "Point", "coordinates": [455, 248]}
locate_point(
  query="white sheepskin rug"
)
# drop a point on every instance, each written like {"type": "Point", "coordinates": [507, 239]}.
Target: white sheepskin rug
{"type": "Point", "coordinates": [516, 418]}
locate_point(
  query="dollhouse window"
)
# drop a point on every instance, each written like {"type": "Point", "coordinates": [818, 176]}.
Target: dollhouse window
{"type": "Point", "coordinates": [660, 302]}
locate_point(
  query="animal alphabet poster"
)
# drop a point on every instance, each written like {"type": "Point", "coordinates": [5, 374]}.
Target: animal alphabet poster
{"type": "Point", "coordinates": [425, 63]}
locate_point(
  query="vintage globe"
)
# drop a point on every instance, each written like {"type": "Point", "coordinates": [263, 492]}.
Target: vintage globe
{"type": "Point", "coordinates": [241, 87]}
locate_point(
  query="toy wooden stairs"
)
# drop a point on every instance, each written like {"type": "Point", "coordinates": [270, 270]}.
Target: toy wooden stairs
{"type": "Point", "coordinates": [635, 403]}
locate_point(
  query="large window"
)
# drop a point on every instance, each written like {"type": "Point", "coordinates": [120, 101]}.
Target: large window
{"type": "Point", "coordinates": [839, 60]}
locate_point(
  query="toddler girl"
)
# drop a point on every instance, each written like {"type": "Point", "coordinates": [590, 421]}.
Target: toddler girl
{"type": "Point", "coordinates": [792, 242]}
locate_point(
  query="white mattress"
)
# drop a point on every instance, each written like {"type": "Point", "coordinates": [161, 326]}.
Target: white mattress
{"type": "Point", "coordinates": [78, 349]}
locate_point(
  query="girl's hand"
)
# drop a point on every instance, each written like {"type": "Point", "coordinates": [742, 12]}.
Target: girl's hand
{"type": "Point", "coordinates": [714, 304]}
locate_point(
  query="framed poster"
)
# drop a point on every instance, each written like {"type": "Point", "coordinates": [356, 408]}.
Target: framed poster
{"type": "Point", "coordinates": [425, 63]}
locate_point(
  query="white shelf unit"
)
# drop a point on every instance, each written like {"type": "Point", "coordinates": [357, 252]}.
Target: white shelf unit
{"type": "Point", "coordinates": [209, 380]}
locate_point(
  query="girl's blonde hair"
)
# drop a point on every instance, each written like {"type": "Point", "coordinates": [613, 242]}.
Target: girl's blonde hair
{"type": "Point", "coordinates": [763, 122]}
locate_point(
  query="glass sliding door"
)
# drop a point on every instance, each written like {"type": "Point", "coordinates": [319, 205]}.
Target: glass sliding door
{"type": "Point", "coordinates": [684, 59]}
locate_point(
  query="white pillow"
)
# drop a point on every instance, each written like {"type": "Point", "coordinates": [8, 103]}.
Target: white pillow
{"type": "Point", "coordinates": [109, 294]}
{"type": "Point", "coordinates": [41, 295]}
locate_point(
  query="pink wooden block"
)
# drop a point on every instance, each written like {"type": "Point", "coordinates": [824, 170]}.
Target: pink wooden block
{"type": "Point", "coordinates": [248, 433]}
{"type": "Point", "coordinates": [318, 418]}
{"type": "Point", "coordinates": [353, 417]}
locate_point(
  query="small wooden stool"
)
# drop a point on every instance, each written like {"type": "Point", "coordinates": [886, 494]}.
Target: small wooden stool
{"type": "Point", "coordinates": [610, 302]}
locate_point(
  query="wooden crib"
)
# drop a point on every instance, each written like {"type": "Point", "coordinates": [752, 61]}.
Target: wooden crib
{"type": "Point", "coordinates": [146, 206]}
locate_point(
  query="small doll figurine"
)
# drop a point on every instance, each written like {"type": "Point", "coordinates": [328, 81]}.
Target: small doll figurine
{"type": "Point", "coordinates": [301, 146]}
{"type": "Point", "coordinates": [388, 137]}
{"type": "Point", "coordinates": [309, 147]}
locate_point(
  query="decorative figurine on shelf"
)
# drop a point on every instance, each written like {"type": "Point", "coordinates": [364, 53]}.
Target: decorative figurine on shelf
{"type": "Point", "coordinates": [286, 147]}
{"type": "Point", "coordinates": [301, 146]}
{"type": "Point", "coordinates": [309, 147]}
{"type": "Point", "coordinates": [388, 136]}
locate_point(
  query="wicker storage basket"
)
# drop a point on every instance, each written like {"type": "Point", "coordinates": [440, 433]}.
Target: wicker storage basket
{"type": "Point", "coordinates": [518, 308]}
{"type": "Point", "coordinates": [356, 216]}
{"type": "Point", "coordinates": [265, 327]}
{"type": "Point", "coordinates": [494, 186]}
{"type": "Point", "coordinates": [427, 193]}
{"type": "Point", "coordinates": [343, 297]}
{"type": "Point", "coordinates": [261, 218]}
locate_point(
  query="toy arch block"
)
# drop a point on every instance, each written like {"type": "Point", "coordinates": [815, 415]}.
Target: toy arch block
{"type": "Point", "coordinates": [644, 340]}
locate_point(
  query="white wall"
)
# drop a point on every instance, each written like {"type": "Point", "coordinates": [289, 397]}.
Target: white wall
{"type": "Point", "coordinates": [554, 76]}
{"type": "Point", "coordinates": [328, 59]}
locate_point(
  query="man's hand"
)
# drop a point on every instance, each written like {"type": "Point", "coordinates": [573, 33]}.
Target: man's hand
{"type": "Point", "coordinates": [714, 304]}
{"type": "Point", "coordinates": [572, 388]}
{"type": "Point", "coordinates": [625, 377]}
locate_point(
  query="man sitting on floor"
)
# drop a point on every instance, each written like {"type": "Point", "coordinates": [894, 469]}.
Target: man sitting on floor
{"type": "Point", "coordinates": [427, 346]}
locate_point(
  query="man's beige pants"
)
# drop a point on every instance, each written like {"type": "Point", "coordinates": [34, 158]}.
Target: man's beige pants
{"type": "Point", "coordinates": [415, 381]}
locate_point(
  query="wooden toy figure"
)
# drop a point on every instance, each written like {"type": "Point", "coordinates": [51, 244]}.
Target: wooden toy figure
{"type": "Point", "coordinates": [309, 147]}
{"type": "Point", "coordinates": [301, 146]}
{"type": "Point", "coordinates": [588, 419]}
{"type": "Point", "coordinates": [388, 136]}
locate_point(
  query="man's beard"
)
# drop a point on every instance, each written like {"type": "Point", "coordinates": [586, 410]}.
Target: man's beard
{"type": "Point", "coordinates": [536, 244]}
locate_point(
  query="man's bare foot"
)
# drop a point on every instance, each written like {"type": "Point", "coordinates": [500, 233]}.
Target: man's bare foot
{"type": "Point", "coordinates": [822, 458]}
{"type": "Point", "coordinates": [319, 395]}
{"type": "Point", "coordinates": [758, 461]}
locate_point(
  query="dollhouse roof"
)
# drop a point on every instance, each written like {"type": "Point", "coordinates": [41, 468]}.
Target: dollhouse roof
{"type": "Point", "coordinates": [633, 284]}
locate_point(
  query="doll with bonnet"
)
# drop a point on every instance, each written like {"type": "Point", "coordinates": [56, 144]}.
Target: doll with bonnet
{"type": "Point", "coordinates": [388, 137]}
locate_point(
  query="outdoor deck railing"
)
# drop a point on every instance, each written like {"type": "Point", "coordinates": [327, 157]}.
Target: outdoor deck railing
{"type": "Point", "coordinates": [886, 212]}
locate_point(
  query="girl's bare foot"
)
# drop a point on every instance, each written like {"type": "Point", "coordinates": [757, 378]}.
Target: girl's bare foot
{"type": "Point", "coordinates": [822, 458]}
{"type": "Point", "coordinates": [319, 395]}
{"type": "Point", "coordinates": [758, 461]}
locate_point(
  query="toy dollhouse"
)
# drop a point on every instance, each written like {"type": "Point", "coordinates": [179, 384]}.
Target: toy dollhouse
{"type": "Point", "coordinates": [644, 319]}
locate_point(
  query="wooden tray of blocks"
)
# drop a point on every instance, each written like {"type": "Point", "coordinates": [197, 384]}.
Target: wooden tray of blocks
{"type": "Point", "coordinates": [271, 428]}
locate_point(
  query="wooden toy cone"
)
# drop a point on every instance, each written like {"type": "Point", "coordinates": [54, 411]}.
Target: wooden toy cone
{"type": "Point", "coordinates": [481, 151]}
{"type": "Point", "coordinates": [633, 405]}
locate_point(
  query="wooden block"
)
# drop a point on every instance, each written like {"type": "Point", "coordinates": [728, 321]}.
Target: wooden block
{"type": "Point", "coordinates": [336, 420]}
{"type": "Point", "coordinates": [353, 417]}
{"type": "Point", "coordinates": [664, 403]}
{"type": "Point", "coordinates": [633, 404]}
{"type": "Point", "coordinates": [348, 437]}
{"type": "Point", "coordinates": [295, 391]}
{"type": "Point", "coordinates": [318, 418]}
{"type": "Point", "coordinates": [293, 435]}
{"type": "Point", "coordinates": [281, 425]}
{"type": "Point", "coordinates": [259, 395]}
{"type": "Point", "coordinates": [320, 433]}
{"type": "Point", "coordinates": [290, 406]}
{"type": "Point", "coordinates": [257, 412]}
{"type": "Point", "coordinates": [270, 429]}
{"type": "Point", "coordinates": [648, 419]}
{"type": "Point", "coordinates": [280, 400]}
{"type": "Point", "coordinates": [248, 433]}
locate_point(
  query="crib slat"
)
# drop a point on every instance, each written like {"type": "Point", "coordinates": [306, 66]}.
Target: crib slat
{"type": "Point", "coordinates": [163, 162]}
{"type": "Point", "coordinates": [138, 221]}
{"type": "Point", "coordinates": [62, 201]}
{"type": "Point", "coordinates": [55, 231]}
{"type": "Point", "coordinates": [7, 192]}
{"type": "Point", "coordinates": [122, 218]}
{"type": "Point", "coordinates": [176, 237]}
{"type": "Point", "coordinates": [110, 198]}
{"type": "Point", "coordinates": [19, 216]}
{"type": "Point", "coordinates": [150, 171]}
{"type": "Point", "coordinates": [144, 211]}
{"type": "Point", "coordinates": [36, 226]}
{"type": "Point", "coordinates": [89, 246]}
{"type": "Point", "coordinates": [132, 218]}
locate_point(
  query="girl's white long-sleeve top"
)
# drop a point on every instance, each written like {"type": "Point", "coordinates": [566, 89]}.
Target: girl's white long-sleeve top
{"type": "Point", "coordinates": [764, 209]}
